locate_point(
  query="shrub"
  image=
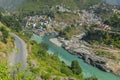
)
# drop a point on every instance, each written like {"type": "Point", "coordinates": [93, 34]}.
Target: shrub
{"type": "Point", "coordinates": [66, 70]}
{"type": "Point", "coordinates": [44, 46]}
{"type": "Point", "coordinates": [56, 78]}
{"type": "Point", "coordinates": [46, 76]}
{"type": "Point", "coordinates": [4, 34]}
{"type": "Point", "coordinates": [75, 67]}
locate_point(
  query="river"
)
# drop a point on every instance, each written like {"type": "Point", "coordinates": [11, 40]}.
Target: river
{"type": "Point", "coordinates": [65, 56]}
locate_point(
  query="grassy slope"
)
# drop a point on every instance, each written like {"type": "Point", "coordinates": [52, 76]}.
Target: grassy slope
{"type": "Point", "coordinates": [85, 3]}
{"type": "Point", "coordinates": [30, 5]}
{"type": "Point", "coordinates": [43, 4]}
{"type": "Point", "coordinates": [46, 65]}
{"type": "Point", "coordinates": [5, 49]}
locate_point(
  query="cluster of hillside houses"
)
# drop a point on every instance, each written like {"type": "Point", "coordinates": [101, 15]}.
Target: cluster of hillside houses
{"type": "Point", "coordinates": [42, 24]}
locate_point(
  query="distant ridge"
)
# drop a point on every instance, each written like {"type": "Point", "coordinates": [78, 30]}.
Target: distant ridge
{"type": "Point", "coordinates": [10, 4]}
{"type": "Point", "coordinates": [112, 2]}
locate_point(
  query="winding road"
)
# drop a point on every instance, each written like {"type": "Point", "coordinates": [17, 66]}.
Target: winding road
{"type": "Point", "coordinates": [20, 53]}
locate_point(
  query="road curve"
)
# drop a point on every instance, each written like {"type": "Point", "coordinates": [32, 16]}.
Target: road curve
{"type": "Point", "coordinates": [20, 52]}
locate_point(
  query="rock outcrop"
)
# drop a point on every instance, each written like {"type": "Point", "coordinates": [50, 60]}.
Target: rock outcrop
{"type": "Point", "coordinates": [90, 59]}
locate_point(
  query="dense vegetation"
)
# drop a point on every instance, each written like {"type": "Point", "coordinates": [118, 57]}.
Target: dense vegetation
{"type": "Point", "coordinates": [114, 21]}
{"type": "Point", "coordinates": [76, 69]}
{"type": "Point", "coordinates": [11, 22]}
{"type": "Point", "coordinates": [69, 31]}
{"type": "Point", "coordinates": [49, 65]}
{"type": "Point", "coordinates": [36, 5]}
{"type": "Point", "coordinates": [102, 12]}
{"type": "Point", "coordinates": [15, 73]}
{"type": "Point", "coordinates": [103, 37]}
{"type": "Point", "coordinates": [4, 34]}
{"type": "Point", "coordinates": [6, 42]}
{"type": "Point", "coordinates": [40, 64]}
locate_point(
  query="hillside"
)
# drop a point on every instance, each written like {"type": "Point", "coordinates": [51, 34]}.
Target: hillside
{"type": "Point", "coordinates": [112, 2]}
{"type": "Point", "coordinates": [6, 43]}
{"type": "Point", "coordinates": [40, 63]}
{"type": "Point", "coordinates": [10, 4]}
{"type": "Point", "coordinates": [72, 22]}
{"type": "Point", "coordinates": [28, 4]}
{"type": "Point", "coordinates": [32, 5]}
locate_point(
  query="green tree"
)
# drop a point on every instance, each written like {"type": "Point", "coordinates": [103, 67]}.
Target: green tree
{"type": "Point", "coordinates": [114, 21]}
{"type": "Point", "coordinates": [66, 70]}
{"type": "Point", "coordinates": [69, 31]}
{"type": "Point", "coordinates": [46, 76]}
{"type": "Point", "coordinates": [75, 67]}
{"type": "Point", "coordinates": [56, 78]}
{"type": "Point", "coordinates": [5, 34]}
{"type": "Point", "coordinates": [11, 22]}
{"type": "Point", "coordinates": [44, 46]}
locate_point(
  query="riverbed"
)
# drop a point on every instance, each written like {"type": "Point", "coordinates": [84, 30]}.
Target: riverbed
{"type": "Point", "coordinates": [65, 56]}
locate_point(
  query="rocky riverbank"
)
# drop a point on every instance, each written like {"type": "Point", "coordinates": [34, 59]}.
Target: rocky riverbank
{"type": "Point", "coordinates": [56, 42]}
{"type": "Point", "coordinates": [91, 59]}
{"type": "Point", "coordinates": [82, 50]}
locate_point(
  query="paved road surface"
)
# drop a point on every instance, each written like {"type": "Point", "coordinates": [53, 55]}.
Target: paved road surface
{"type": "Point", "coordinates": [20, 53]}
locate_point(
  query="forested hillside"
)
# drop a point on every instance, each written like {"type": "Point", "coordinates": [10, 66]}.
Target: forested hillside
{"type": "Point", "coordinates": [41, 4]}
{"type": "Point", "coordinates": [10, 4]}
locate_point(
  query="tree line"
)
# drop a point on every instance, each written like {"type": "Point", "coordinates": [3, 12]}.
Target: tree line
{"type": "Point", "coordinates": [4, 34]}
{"type": "Point", "coordinates": [11, 21]}
{"type": "Point", "coordinates": [102, 37]}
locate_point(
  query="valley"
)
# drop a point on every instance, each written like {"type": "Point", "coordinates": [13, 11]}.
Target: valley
{"type": "Point", "coordinates": [50, 38]}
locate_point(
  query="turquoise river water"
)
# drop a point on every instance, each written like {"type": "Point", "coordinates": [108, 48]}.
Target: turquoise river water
{"type": "Point", "coordinates": [65, 56]}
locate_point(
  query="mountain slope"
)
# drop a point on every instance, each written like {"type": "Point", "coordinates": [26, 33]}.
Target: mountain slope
{"type": "Point", "coordinates": [112, 2]}
{"type": "Point", "coordinates": [31, 5]}
{"type": "Point", "coordinates": [10, 4]}
{"type": "Point", "coordinates": [5, 46]}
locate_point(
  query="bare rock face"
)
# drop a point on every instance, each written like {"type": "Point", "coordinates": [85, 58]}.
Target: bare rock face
{"type": "Point", "coordinates": [101, 64]}
{"type": "Point", "coordinates": [92, 60]}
